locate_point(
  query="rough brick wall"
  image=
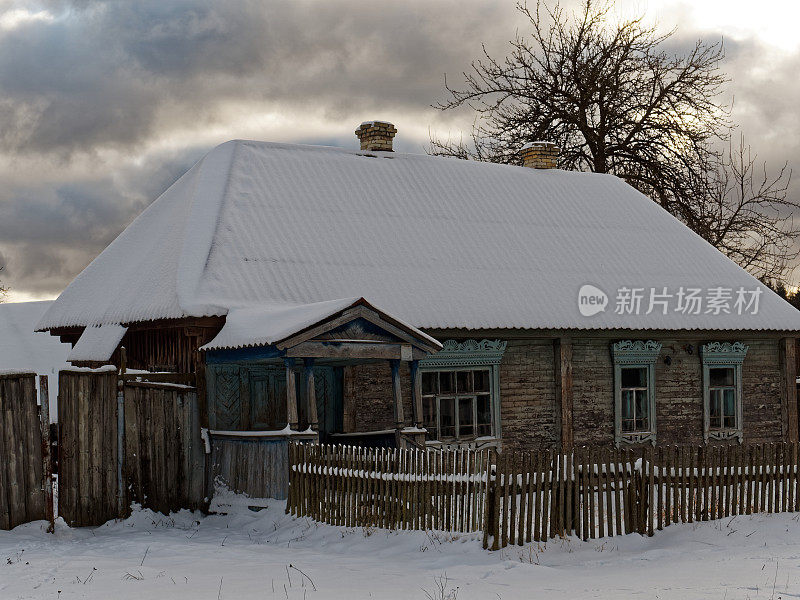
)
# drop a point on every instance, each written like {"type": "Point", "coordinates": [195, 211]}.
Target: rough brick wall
{"type": "Point", "coordinates": [679, 392]}
{"type": "Point", "coordinates": [593, 392]}
{"type": "Point", "coordinates": [367, 398]}
{"type": "Point", "coordinates": [527, 393]}
{"type": "Point", "coordinates": [761, 379]}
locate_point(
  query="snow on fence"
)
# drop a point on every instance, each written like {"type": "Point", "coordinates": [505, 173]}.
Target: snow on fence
{"type": "Point", "coordinates": [523, 497]}
{"type": "Point", "coordinates": [388, 488]}
{"type": "Point", "coordinates": [26, 492]}
{"type": "Point", "coordinates": [594, 493]}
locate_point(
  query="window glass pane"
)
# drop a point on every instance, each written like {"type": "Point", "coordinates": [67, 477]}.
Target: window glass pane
{"type": "Point", "coordinates": [429, 411]}
{"type": "Point", "coordinates": [721, 377]}
{"type": "Point", "coordinates": [429, 383]}
{"type": "Point", "coordinates": [728, 408]}
{"type": "Point", "coordinates": [484, 415]}
{"type": "Point", "coordinates": [429, 416]}
{"type": "Point", "coordinates": [642, 410]}
{"type": "Point", "coordinates": [634, 377]}
{"type": "Point", "coordinates": [481, 379]}
{"type": "Point", "coordinates": [728, 402]}
{"type": "Point", "coordinates": [466, 426]}
{"type": "Point", "coordinates": [447, 417]}
{"type": "Point", "coordinates": [447, 382]}
{"type": "Point", "coordinates": [464, 382]}
{"type": "Point", "coordinates": [714, 405]}
{"type": "Point", "coordinates": [627, 404]}
{"type": "Point", "coordinates": [714, 402]}
{"type": "Point", "coordinates": [628, 410]}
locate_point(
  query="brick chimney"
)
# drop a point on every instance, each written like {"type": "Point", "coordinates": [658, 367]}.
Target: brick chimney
{"type": "Point", "coordinates": [376, 135]}
{"type": "Point", "coordinates": [539, 155]}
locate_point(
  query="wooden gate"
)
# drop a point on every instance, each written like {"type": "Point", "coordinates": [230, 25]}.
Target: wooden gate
{"type": "Point", "coordinates": [25, 475]}
{"type": "Point", "coordinates": [155, 424]}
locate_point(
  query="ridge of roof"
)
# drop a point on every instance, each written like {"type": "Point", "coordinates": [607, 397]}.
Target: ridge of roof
{"type": "Point", "coordinates": [441, 242]}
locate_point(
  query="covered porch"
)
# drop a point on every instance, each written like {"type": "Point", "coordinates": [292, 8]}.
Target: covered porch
{"type": "Point", "coordinates": [275, 373]}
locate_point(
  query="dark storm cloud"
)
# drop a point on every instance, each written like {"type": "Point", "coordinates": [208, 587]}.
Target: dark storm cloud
{"type": "Point", "coordinates": [102, 73]}
{"type": "Point", "coordinates": [49, 232]}
{"type": "Point", "coordinates": [91, 96]}
{"type": "Point", "coordinates": [113, 76]}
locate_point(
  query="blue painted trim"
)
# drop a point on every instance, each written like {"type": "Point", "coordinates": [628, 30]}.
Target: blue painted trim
{"type": "Point", "coordinates": [730, 355]}
{"type": "Point", "coordinates": [631, 354]}
{"type": "Point", "coordinates": [470, 354]}
{"type": "Point", "coordinates": [243, 355]}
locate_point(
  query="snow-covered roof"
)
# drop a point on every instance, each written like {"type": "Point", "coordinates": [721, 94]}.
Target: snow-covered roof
{"type": "Point", "coordinates": [438, 242]}
{"type": "Point", "coordinates": [268, 324]}
{"type": "Point", "coordinates": [22, 349]}
{"type": "Point", "coordinates": [97, 343]}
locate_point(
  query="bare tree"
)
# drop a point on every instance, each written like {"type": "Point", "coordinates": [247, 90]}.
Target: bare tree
{"type": "Point", "coordinates": [3, 289]}
{"type": "Point", "coordinates": [745, 212]}
{"type": "Point", "coordinates": [616, 101]}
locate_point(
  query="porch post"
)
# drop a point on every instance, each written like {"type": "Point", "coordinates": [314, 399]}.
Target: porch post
{"type": "Point", "coordinates": [416, 393]}
{"type": "Point", "coordinates": [311, 394]}
{"type": "Point", "coordinates": [291, 394]}
{"type": "Point", "coordinates": [399, 419]}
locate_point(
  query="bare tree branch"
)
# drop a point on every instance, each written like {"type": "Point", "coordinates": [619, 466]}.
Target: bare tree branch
{"type": "Point", "coordinates": [3, 289]}
{"type": "Point", "coordinates": [616, 101]}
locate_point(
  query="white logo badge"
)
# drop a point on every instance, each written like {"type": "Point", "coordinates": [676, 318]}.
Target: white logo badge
{"type": "Point", "coordinates": [591, 300]}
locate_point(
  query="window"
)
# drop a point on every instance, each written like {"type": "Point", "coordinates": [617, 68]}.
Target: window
{"type": "Point", "coordinates": [722, 390]}
{"type": "Point", "coordinates": [457, 404]}
{"type": "Point", "coordinates": [634, 391]}
{"type": "Point", "coordinates": [635, 408]}
{"type": "Point", "coordinates": [722, 398]}
{"type": "Point", "coordinates": [461, 390]}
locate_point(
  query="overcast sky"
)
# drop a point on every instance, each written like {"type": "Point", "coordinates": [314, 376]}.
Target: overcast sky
{"type": "Point", "coordinates": [104, 104]}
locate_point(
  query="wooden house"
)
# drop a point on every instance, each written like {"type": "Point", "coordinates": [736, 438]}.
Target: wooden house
{"type": "Point", "coordinates": [382, 298]}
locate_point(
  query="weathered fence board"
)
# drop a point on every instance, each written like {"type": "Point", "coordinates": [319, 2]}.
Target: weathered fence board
{"type": "Point", "coordinates": [258, 468]}
{"type": "Point", "coordinates": [388, 488]}
{"type": "Point", "coordinates": [162, 464]}
{"type": "Point", "coordinates": [644, 490]}
{"type": "Point", "coordinates": [25, 485]}
{"type": "Point", "coordinates": [515, 498]}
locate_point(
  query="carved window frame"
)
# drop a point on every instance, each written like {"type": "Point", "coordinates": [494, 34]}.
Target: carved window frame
{"type": "Point", "coordinates": [722, 355]}
{"type": "Point", "coordinates": [470, 354]}
{"type": "Point", "coordinates": [635, 354]}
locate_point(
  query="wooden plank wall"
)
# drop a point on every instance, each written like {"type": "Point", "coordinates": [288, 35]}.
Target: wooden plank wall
{"type": "Point", "coordinates": [23, 495]}
{"type": "Point", "coordinates": [164, 467]}
{"type": "Point", "coordinates": [87, 412]}
{"type": "Point", "coordinates": [163, 455]}
{"type": "Point", "coordinates": [258, 468]}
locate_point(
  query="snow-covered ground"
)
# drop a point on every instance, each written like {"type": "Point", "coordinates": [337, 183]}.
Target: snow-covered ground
{"type": "Point", "coordinates": [267, 554]}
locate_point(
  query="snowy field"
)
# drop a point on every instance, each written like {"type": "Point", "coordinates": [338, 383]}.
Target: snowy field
{"type": "Point", "coordinates": [268, 555]}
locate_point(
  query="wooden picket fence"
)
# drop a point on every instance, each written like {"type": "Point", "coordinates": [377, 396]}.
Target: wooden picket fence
{"type": "Point", "coordinates": [388, 488]}
{"type": "Point", "coordinates": [594, 493]}
{"type": "Point", "coordinates": [523, 497]}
